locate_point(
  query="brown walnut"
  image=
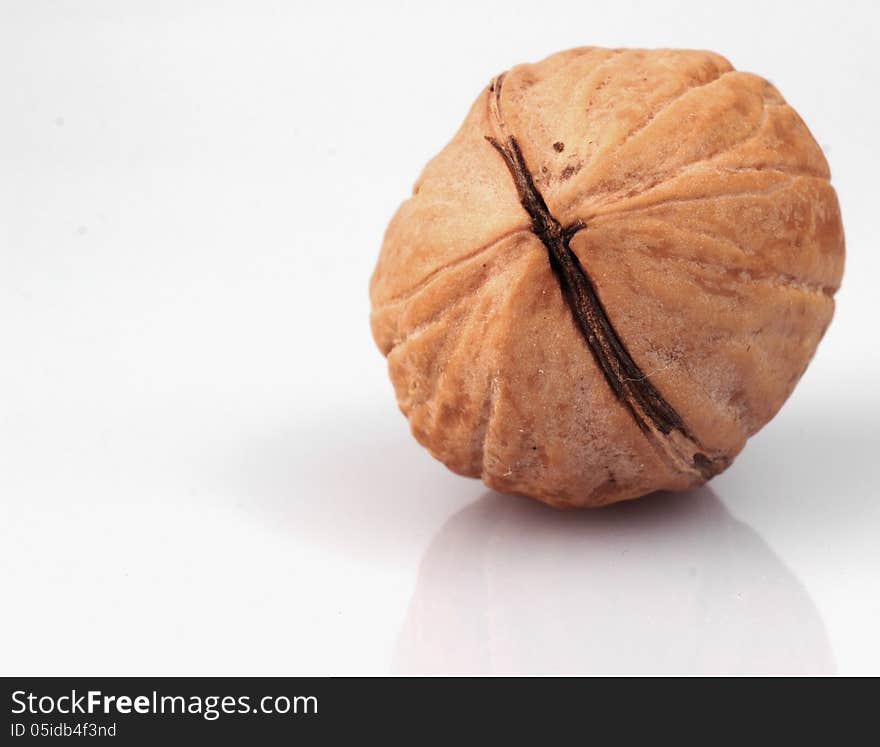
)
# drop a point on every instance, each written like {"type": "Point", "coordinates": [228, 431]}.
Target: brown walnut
{"type": "Point", "coordinates": [612, 276]}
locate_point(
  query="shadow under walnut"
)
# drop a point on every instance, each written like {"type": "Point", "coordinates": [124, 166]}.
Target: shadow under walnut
{"type": "Point", "coordinates": [611, 277]}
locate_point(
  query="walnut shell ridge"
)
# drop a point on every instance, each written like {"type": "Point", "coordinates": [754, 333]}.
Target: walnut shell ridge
{"type": "Point", "coordinates": [612, 276]}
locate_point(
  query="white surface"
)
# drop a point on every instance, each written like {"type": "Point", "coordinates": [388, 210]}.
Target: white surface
{"type": "Point", "coordinates": [202, 468]}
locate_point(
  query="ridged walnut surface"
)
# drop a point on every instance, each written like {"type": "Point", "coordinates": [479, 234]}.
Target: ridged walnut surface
{"type": "Point", "coordinates": [699, 209]}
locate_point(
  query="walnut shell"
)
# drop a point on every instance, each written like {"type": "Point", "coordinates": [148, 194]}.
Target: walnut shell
{"type": "Point", "coordinates": [611, 277]}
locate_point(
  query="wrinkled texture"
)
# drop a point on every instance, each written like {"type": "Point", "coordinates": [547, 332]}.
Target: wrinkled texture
{"type": "Point", "coordinates": [701, 211]}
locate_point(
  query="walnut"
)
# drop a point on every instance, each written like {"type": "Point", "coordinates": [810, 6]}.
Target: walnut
{"type": "Point", "coordinates": [611, 277]}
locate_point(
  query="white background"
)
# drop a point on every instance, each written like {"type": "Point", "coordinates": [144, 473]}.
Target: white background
{"type": "Point", "coordinates": [202, 467]}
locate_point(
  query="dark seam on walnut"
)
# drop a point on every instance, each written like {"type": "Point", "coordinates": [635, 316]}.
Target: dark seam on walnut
{"type": "Point", "coordinates": [651, 412]}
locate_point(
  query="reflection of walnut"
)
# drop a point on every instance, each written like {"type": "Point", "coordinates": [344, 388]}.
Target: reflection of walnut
{"type": "Point", "coordinates": [613, 275]}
